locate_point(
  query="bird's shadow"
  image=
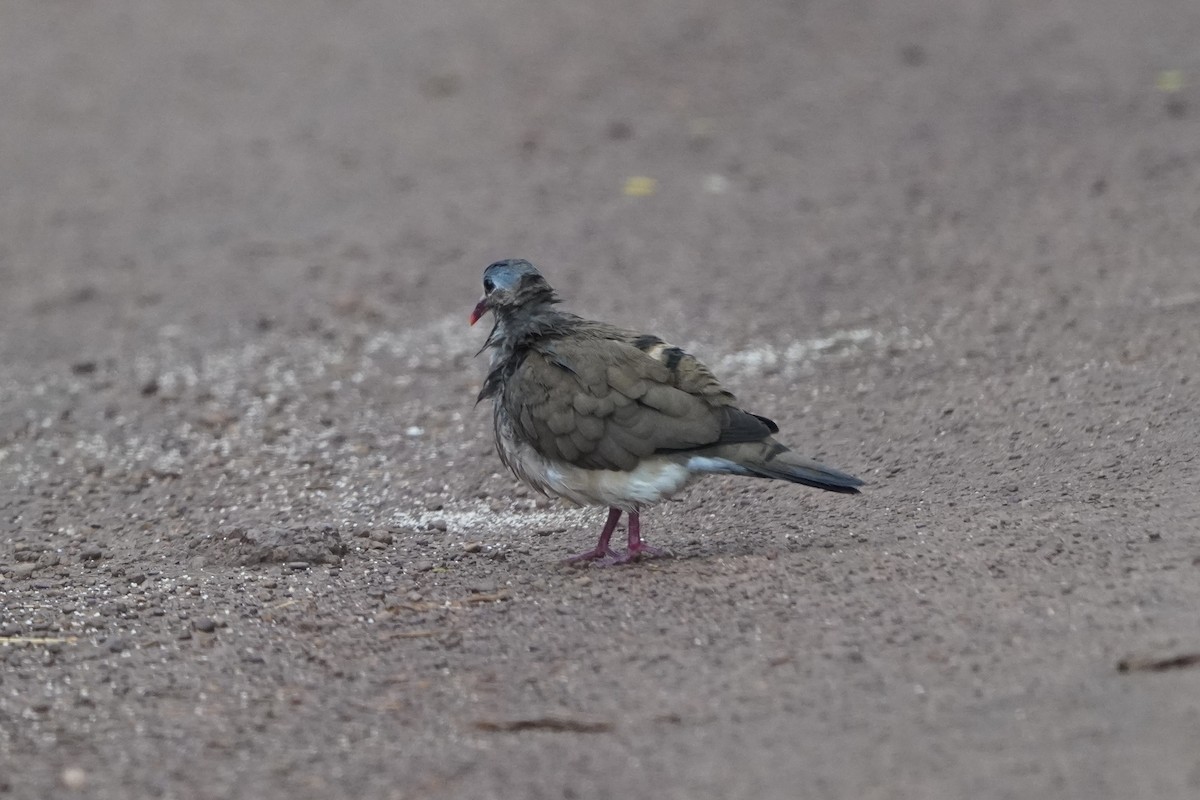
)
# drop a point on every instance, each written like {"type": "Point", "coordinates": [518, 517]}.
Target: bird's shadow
{"type": "Point", "coordinates": [697, 554]}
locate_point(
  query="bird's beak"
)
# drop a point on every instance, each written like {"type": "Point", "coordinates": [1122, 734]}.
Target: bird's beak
{"type": "Point", "coordinates": [481, 308]}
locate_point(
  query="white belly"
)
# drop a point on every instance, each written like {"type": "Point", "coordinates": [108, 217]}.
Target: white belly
{"type": "Point", "coordinates": [654, 479]}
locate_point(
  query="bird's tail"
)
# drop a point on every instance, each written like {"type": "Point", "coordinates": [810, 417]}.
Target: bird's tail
{"type": "Point", "coordinates": [770, 459]}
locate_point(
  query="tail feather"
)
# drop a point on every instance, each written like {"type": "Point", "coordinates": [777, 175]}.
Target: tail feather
{"type": "Point", "coordinates": [788, 466]}
{"type": "Point", "coordinates": [770, 459]}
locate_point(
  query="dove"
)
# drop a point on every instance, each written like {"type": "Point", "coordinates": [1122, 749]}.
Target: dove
{"type": "Point", "coordinates": [602, 416]}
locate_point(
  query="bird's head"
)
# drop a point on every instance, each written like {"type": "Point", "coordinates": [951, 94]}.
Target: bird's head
{"type": "Point", "coordinates": [511, 284]}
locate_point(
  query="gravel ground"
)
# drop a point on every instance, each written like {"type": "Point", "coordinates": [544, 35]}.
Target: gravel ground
{"type": "Point", "coordinates": [254, 541]}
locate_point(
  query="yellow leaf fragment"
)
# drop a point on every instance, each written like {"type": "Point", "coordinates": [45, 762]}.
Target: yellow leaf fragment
{"type": "Point", "coordinates": [640, 186]}
{"type": "Point", "coordinates": [1169, 80]}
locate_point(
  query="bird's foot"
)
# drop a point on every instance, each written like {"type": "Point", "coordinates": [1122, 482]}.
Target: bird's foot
{"type": "Point", "coordinates": [603, 556]}
{"type": "Point", "coordinates": [601, 553]}
{"type": "Point", "coordinates": [637, 549]}
{"type": "Point", "coordinates": [637, 553]}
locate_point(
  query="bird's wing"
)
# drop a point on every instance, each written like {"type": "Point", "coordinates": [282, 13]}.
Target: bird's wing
{"type": "Point", "coordinates": [601, 402]}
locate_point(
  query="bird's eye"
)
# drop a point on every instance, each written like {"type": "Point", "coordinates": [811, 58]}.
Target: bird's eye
{"type": "Point", "coordinates": [488, 285]}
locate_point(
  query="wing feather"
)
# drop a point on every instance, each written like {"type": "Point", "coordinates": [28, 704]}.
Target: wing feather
{"type": "Point", "coordinates": [601, 402]}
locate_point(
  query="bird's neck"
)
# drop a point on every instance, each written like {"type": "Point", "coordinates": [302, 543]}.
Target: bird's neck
{"type": "Point", "coordinates": [513, 335]}
{"type": "Point", "coordinates": [518, 329]}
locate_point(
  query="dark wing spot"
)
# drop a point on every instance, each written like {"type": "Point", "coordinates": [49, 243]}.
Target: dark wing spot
{"type": "Point", "coordinates": [740, 426]}
{"type": "Point", "coordinates": [770, 423]}
{"type": "Point", "coordinates": [674, 356]}
{"type": "Point", "coordinates": [646, 341]}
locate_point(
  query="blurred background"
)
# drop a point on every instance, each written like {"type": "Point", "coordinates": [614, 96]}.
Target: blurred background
{"type": "Point", "coordinates": [220, 162]}
{"type": "Point", "coordinates": [253, 537]}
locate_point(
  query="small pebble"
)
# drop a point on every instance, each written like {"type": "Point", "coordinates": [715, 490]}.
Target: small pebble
{"type": "Point", "coordinates": [473, 547]}
{"type": "Point", "coordinates": [73, 779]}
{"type": "Point", "coordinates": [297, 565]}
{"type": "Point", "coordinates": [439, 525]}
{"type": "Point", "coordinates": [204, 624]}
{"type": "Point", "coordinates": [91, 553]}
{"type": "Point", "coordinates": [117, 644]}
{"type": "Point", "coordinates": [716, 184]}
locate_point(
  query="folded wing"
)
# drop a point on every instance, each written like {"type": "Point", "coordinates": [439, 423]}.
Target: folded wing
{"type": "Point", "coordinates": [602, 402]}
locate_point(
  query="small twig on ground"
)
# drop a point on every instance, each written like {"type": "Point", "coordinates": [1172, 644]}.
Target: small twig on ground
{"type": "Point", "coordinates": [558, 724]}
{"type": "Point", "coordinates": [421, 634]}
{"type": "Point", "coordinates": [10, 640]}
{"type": "Point", "coordinates": [1143, 664]}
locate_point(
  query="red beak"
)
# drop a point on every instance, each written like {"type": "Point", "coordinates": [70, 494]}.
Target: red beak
{"type": "Point", "coordinates": [481, 308]}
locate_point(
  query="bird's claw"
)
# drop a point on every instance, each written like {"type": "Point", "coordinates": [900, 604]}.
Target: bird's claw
{"type": "Point", "coordinates": [601, 556]}
{"type": "Point", "coordinates": [639, 552]}
{"type": "Point", "coordinates": [610, 558]}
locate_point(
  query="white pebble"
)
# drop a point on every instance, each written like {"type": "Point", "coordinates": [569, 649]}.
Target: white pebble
{"type": "Point", "coordinates": [73, 778]}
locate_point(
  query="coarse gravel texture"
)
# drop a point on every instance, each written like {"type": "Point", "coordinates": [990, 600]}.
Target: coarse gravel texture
{"type": "Point", "coordinates": [254, 541]}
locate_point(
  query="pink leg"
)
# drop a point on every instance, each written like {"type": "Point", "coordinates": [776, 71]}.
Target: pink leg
{"type": "Point", "coordinates": [637, 548]}
{"type": "Point", "coordinates": [601, 550]}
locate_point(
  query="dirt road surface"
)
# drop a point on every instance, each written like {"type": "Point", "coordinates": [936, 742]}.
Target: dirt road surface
{"type": "Point", "coordinates": [254, 541]}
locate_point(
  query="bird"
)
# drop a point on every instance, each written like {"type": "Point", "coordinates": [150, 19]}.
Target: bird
{"type": "Point", "coordinates": [602, 416]}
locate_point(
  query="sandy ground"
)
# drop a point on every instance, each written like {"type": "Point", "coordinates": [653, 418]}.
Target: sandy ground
{"type": "Point", "coordinates": [254, 541]}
